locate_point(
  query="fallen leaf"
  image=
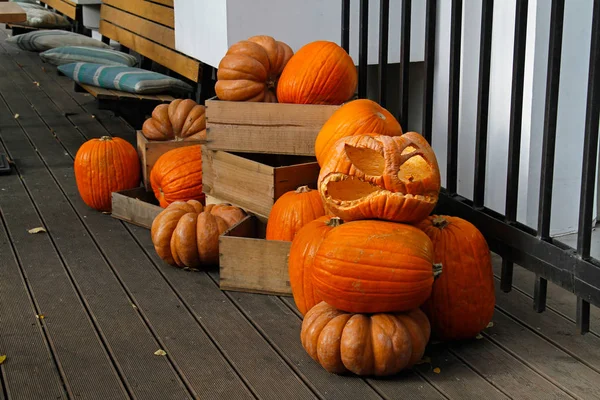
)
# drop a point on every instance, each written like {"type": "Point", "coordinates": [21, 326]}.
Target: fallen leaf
{"type": "Point", "coordinates": [93, 116]}
{"type": "Point", "coordinates": [479, 336]}
{"type": "Point", "coordinates": [424, 360]}
{"type": "Point", "coordinates": [491, 324]}
{"type": "Point", "coordinates": [40, 316]}
{"type": "Point", "coordinates": [2, 359]}
{"type": "Point", "coordinates": [36, 83]}
{"type": "Point", "coordinates": [160, 352]}
{"type": "Point", "coordinates": [37, 230]}
{"type": "Point", "coordinates": [437, 370]}
{"type": "Point", "coordinates": [106, 212]}
{"type": "Point", "coordinates": [134, 306]}
{"type": "Point", "coordinates": [16, 116]}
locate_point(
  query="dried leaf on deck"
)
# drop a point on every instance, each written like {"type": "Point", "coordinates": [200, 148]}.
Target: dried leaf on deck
{"type": "Point", "coordinates": [160, 352]}
{"type": "Point", "coordinates": [490, 325]}
{"type": "Point", "coordinates": [40, 316]}
{"type": "Point", "coordinates": [36, 83]}
{"type": "Point", "coordinates": [479, 336]}
{"type": "Point", "coordinates": [16, 116]}
{"type": "Point", "coordinates": [437, 370]}
{"type": "Point", "coordinates": [2, 358]}
{"type": "Point", "coordinates": [37, 230]}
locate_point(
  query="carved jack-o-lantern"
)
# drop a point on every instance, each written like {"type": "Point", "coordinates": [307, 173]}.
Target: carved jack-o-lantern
{"type": "Point", "coordinates": [380, 177]}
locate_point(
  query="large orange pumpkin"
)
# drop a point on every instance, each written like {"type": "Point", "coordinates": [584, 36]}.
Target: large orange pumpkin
{"type": "Point", "coordinates": [374, 266]}
{"type": "Point", "coordinates": [292, 211]}
{"type": "Point", "coordinates": [379, 344]}
{"type": "Point", "coordinates": [302, 257]}
{"type": "Point", "coordinates": [186, 234]}
{"type": "Point", "coordinates": [178, 120]}
{"type": "Point", "coordinates": [251, 68]}
{"type": "Point", "coordinates": [320, 72]}
{"type": "Point", "coordinates": [103, 166]}
{"type": "Point", "coordinates": [463, 299]}
{"type": "Point", "coordinates": [380, 177]}
{"type": "Point", "coordinates": [177, 175]}
{"type": "Point", "coordinates": [354, 118]}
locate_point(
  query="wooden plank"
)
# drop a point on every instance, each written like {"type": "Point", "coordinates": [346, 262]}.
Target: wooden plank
{"type": "Point", "coordinates": [135, 206]}
{"type": "Point", "coordinates": [150, 11]}
{"type": "Point", "coordinates": [11, 13]}
{"type": "Point", "coordinates": [291, 177]}
{"type": "Point", "coordinates": [168, 3]}
{"type": "Point", "coordinates": [271, 128]}
{"type": "Point", "coordinates": [66, 7]}
{"type": "Point", "coordinates": [177, 62]}
{"type": "Point", "coordinates": [143, 27]}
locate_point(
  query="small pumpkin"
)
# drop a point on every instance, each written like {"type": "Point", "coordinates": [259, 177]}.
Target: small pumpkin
{"type": "Point", "coordinates": [320, 72]}
{"type": "Point", "coordinates": [463, 298]}
{"type": "Point", "coordinates": [250, 69]}
{"type": "Point", "coordinates": [177, 175]}
{"type": "Point", "coordinates": [301, 260]}
{"type": "Point", "coordinates": [380, 177]}
{"type": "Point", "coordinates": [367, 345]}
{"type": "Point", "coordinates": [105, 165]}
{"type": "Point", "coordinates": [354, 118]}
{"type": "Point", "coordinates": [178, 120]}
{"type": "Point", "coordinates": [292, 211]}
{"type": "Point", "coordinates": [374, 266]}
{"type": "Point", "coordinates": [186, 234]}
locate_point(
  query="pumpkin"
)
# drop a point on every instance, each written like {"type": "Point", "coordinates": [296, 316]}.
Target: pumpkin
{"type": "Point", "coordinates": [250, 69]}
{"type": "Point", "coordinates": [463, 298]}
{"type": "Point", "coordinates": [178, 120]}
{"type": "Point", "coordinates": [186, 234]}
{"type": "Point", "coordinates": [375, 345]}
{"type": "Point", "coordinates": [374, 266]}
{"type": "Point", "coordinates": [301, 259]}
{"type": "Point", "coordinates": [292, 211]}
{"type": "Point", "coordinates": [354, 118]}
{"type": "Point", "coordinates": [103, 166]}
{"type": "Point", "coordinates": [320, 72]}
{"type": "Point", "coordinates": [380, 177]}
{"type": "Point", "coordinates": [177, 175]}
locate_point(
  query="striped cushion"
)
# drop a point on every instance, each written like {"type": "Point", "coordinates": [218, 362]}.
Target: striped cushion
{"type": "Point", "coordinates": [127, 79]}
{"type": "Point", "coordinates": [72, 54]}
{"type": "Point", "coordinates": [46, 40]}
{"type": "Point", "coordinates": [40, 17]}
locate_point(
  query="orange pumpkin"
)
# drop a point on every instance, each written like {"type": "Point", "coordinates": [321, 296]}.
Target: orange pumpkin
{"type": "Point", "coordinates": [463, 299]}
{"type": "Point", "coordinates": [292, 211]}
{"type": "Point", "coordinates": [186, 234]}
{"type": "Point", "coordinates": [380, 177]}
{"type": "Point", "coordinates": [378, 344]}
{"type": "Point", "coordinates": [177, 175]}
{"type": "Point", "coordinates": [302, 257]}
{"type": "Point", "coordinates": [103, 166]}
{"type": "Point", "coordinates": [320, 72]}
{"type": "Point", "coordinates": [374, 266]}
{"type": "Point", "coordinates": [178, 120]}
{"type": "Point", "coordinates": [251, 68]}
{"type": "Point", "coordinates": [354, 118]}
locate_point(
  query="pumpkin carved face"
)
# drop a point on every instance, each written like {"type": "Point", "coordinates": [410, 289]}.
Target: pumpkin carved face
{"type": "Point", "coordinates": [380, 177]}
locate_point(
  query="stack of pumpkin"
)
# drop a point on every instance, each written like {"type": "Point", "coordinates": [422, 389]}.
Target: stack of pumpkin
{"type": "Point", "coordinates": [374, 275]}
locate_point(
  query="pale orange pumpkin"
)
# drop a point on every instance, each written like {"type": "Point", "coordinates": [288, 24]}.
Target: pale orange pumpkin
{"type": "Point", "coordinates": [292, 211]}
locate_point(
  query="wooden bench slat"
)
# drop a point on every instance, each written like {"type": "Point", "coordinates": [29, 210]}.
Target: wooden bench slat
{"type": "Point", "coordinates": [66, 7]}
{"type": "Point", "coordinates": [106, 94]}
{"type": "Point", "coordinates": [147, 29]}
{"type": "Point", "coordinates": [168, 3]}
{"type": "Point", "coordinates": [150, 11]}
{"type": "Point", "coordinates": [12, 12]}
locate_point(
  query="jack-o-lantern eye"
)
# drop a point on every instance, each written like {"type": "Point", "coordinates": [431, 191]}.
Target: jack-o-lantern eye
{"type": "Point", "coordinates": [415, 168]}
{"type": "Point", "coordinates": [370, 162]}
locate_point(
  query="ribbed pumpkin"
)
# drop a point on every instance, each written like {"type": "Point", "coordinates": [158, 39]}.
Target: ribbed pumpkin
{"type": "Point", "coordinates": [320, 72]}
{"type": "Point", "coordinates": [292, 211]}
{"type": "Point", "coordinates": [374, 266]}
{"type": "Point", "coordinates": [463, 299]}
{"type": "Point", "coordinates": [250, 69]}
{"type": "Point", "coordinates": [177, 175]}
{"type": "Point", "coordinates": [393, 178]}
{"type": "Point", "coordinates": [178, 120]}
{"type": "Point", "coordinates": [354, 118]}
{"type": "Point", "coordinates": [302, 257]}
{"type": "Point", "coordinates": [367, 345]}
{"type": "Point", "coordinates": [186, 234]}
{"type": "Point", "coordinates": [103, 166]}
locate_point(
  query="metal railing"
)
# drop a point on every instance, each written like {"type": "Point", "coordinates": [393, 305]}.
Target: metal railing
{"type": "Point", "coordinates": [571, 268]}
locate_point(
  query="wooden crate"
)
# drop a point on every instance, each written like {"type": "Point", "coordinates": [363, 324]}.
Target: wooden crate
{"type": "Point", "coordinates": [249, 263]}
{"type": "Point", "coordinates": [136, 206]}
{"type": "Point", "coordinates": [255, 181]}
{"type": "Point", "coordinates": [150, 150]}
{"type": "Point", "coordinates": [270, 128]}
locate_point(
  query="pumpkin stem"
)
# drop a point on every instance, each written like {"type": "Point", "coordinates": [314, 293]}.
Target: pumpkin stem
{"type": "Point", "coordinates": [440, 222]}
{"type": "Point", "coordinates": [303, 189]}
{"type": "Point", "coordinates": [105, 138]}
{"type": "Point", "coordinates": [437, 270]}
{"type": "Point", "coordinates": [334, 221]}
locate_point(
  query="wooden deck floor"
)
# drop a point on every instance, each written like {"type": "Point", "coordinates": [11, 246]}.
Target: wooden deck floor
{"type": "Point", "coordinates": [84, 306]}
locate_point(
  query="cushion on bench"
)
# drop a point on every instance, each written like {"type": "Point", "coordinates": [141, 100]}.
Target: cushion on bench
{"type": "Point", "coordinates": [72, 54]}
{"type": "Point", "coordinates": [46, 40]}
{"type": "Point", "coordinates": [40, 17]}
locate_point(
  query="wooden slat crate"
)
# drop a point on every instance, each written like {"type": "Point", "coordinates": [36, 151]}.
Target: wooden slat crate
{"type": "Point", "coordinates": [135, 206]}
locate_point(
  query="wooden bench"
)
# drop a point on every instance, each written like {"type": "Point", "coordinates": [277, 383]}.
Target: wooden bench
{"type": "Point", "coordinates": [69, 9]}
{"type": "Point", "coordinates": [11, 13]}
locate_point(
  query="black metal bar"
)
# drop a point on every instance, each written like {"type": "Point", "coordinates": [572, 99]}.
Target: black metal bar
{"type": "Point", "coordinates": [346, 25]}
{"type": "Point", "coordinates": [384, 21]}
{"type": "Point", "coordinates": [454, 95]}
{"type": "Point", "coordinates": [506, 275]}
{"type": "Point", "coordinates": [540, 291]}
{"type": "Point", "coordinates": [590, 143]}
{"type": "Point", "coordinates": [583, 315]}
{"type": "Point", "coordinates": [105, 39]}
{"type": "Point", "coordinates": [483, 101]}
{"type": "Point", "coordinates": [404, 63]}
{"type": "Point", "coordinates": [430, 20]}
{"type": "Point", "coordinates": [549, 140]}
{"type": "Point", "coordinates": [363, 47]}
